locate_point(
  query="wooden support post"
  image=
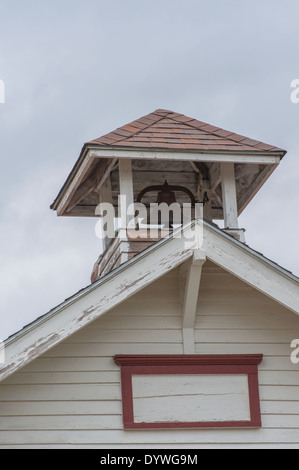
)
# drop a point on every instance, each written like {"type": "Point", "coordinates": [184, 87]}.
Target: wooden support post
{"type": "Point", "coordinates": [229, 195]}
{"type": "Point", "coordinates": [229, 199]}
{"type": "Point", "coordinates": [105, 196]}
{"type": "Point", "coordinates": [126, 198]}
{"type": "Point", "coordinates": [190, 300]}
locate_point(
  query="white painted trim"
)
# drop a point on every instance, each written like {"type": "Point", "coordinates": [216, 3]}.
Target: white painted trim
{"type": "Point", "coordinates": [105, 197]}
{"type": "Point", "coordinates": [127, 190]}
{"type": "Point", "coordinates": [252, 268]}
{"type": "Point", "coordinates": [255, 187]}
{"type": "Point", "coordinates": [259, 158]}
{"type": "Point", "coordinates": [99, 298]}
{"type": "Point", "coordinates": [77, 179]}
{"type": "Point", "coordinates": [190, 300]}
{"type": "Point", "coordinates": [102, 297]}
{"type": "Point", "coordinates": [90, 153]}
{"type": "Point", "coordinates": [188, 340]}
{"type": "Point", "coordinates": [229, 195]}
{"type": "Point", "coordinates": [94, 183]}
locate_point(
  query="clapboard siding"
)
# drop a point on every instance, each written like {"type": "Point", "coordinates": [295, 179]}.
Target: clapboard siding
{"type": "Point", "coordinates": [65, 364]}
{"type": "Point", "coordinates": [125, 336]}
{"type": "Point", "coordinates": [54, 392]}
{"type": "Point", "coordinates": [111, 377]}
{"type": "Point", "coordinates": [86, 377]}
{"type": "Point", "coordinates": [107, 436]}
{"type": "Point", "coordinates": [71, 396]}
{"type": "Point", "coordinates": [95, 349]}
{"type": "Point", "coordinates": [64, 408]}
{"type": "Point", "coordinates": [111, 422]}
{"type": "Point", "coordinates": [144, 446]}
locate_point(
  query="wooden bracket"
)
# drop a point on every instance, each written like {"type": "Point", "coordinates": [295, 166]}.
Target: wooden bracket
{"type": "Point", "coordinates": [190, 300]}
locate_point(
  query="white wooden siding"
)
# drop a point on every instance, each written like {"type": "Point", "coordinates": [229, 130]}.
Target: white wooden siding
{"type": "Point", "coordinates": [71, 396]}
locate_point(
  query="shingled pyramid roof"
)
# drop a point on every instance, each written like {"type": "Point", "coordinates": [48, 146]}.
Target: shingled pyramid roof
{"type": "Point", "coordinates": [169, 130]}
{"type": "Point", "coordinates": [167, 136]}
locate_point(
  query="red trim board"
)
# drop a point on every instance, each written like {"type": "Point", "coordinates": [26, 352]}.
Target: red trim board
{"type": "Point", "coordinates": [132, 365]}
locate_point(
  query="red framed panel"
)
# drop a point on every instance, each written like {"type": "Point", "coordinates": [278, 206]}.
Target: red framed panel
{"type": "Point", "coordinates": [132, 365]}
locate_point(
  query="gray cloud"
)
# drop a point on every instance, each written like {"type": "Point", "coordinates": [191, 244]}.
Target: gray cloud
{"type": "Point", "coordinates": [75, 70]}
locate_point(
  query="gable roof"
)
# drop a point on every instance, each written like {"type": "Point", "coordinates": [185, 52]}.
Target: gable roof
{"type": "Point", "coordinates": [169, 130]}
{"type": "Point", "coordinates": [116, 287]}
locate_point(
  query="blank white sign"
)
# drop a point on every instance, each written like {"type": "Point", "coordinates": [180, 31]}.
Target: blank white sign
{"type": "Point", "coordinates": [190, 398]}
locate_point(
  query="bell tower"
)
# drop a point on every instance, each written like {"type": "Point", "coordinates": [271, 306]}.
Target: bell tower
{"type": "Point", "coordinates": [164, 159]}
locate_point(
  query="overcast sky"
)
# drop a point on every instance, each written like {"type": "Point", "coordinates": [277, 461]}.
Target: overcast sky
{"type": "Point", "coordinates": [75, 70]}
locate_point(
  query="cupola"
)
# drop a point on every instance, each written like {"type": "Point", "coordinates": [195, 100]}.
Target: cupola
{"type": "Point", "coordinates": [164, 157]}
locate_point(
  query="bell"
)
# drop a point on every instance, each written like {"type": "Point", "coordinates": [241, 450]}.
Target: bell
{"type": "Point", "coordinates": [166, 195]}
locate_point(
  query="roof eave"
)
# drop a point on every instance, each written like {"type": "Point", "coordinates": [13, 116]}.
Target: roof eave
{"type": "Point", "coordinates": [276, 151]}
{"type": "Point", "coordinates": [55, 204]}
{"type": "Point", "coordinates": [118, 150]}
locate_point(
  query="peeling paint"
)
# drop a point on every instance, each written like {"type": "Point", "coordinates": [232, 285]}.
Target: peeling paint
{"type": "Point", "coordinates": [6, 369]}
{"type": "Point", "coordinates": [124, 287]}
{"type": "Point", "coordinates": [41, 345]}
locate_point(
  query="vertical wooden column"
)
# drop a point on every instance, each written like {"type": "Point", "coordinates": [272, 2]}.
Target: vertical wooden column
{"type": "Point", "coordinates": [229, 199]}
{"type": "Point", "coordinates": [229, 195]}
{"type": "Point", "coordinates": [126, 199]}
{"type": "Point", "coordinates": [105, 196]}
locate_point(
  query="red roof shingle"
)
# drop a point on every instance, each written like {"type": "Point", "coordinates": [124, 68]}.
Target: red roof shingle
{"type": "Point", "coordinates": [169, 130]}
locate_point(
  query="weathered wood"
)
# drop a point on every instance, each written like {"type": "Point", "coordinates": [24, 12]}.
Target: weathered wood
{"type": "Point", "coordinates": [246, 158]}
{"type": "Point", "coordinates": [71, 350]}
{"type": "Point", "coordinates": [93, 183]}
{"type": "Point", "coordinates": [229, 195]}
{"type": "Point", "coordinates": [78, 377]}
{"type": "Point", "coordinates": [76, 181]}
{"type": "Point", "coordinates": [260, 179]}
{"type": "Point", "coordinates": [83, 211]}
{"type": "Point", "coordinates": [190, 300]}
{"type": "Point", "coordinates": [232, 318]}
{"type": "Point", "coordinates": [105, 191]}
{"type": "Point", "coordinates": [218, 196]}
{"type": "Point", "coordinates": [71, 423]}
{"type": "Point", "coordinates": [60, 392]}
{"type": "Point", "coordinates": [61, 408]}
{"type": "Point", "coordinates": [126, 195]}
{"type": "Point", "coordinates": [190, 398]}
{"type": "Point", "coordinates": [205, 190]}
{"type": "Point", "coordinates": [84, 189]}
{"type": "Point", "coordinates": [141, 165]}
{"type": "Point", "coordinates": [214, 176]}
{"type": "Point", "coordinates": [201, 168]}
{"type": "Point", "coordinates": [120, 250]}
{"type": "Point", "coordinates": [254, 271]}
{"type": "Point", "coordinates": [248, 348]}
{"type": "Point", "coordinates": [163, 437]}
{"type": "Point", "coordinates": [83, 309]}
